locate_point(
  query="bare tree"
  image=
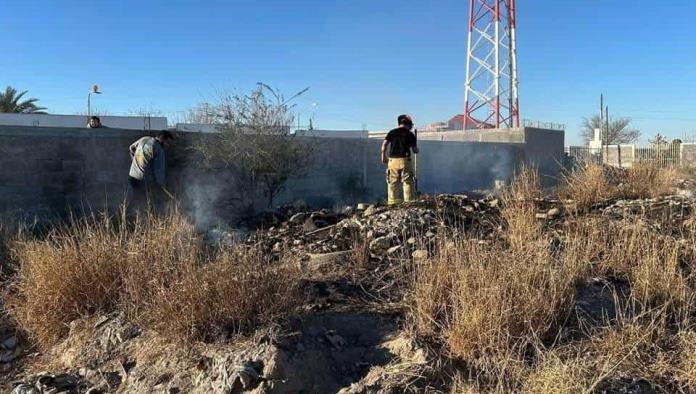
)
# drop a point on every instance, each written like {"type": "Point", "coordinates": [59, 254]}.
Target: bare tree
{"type": "Point", "coordinates": [203, 113]}
{"type": "Point", "coordinates": [620, 130]}
{"type": "Point", "coordinates": [254, 139]}
{"type": "Point", "coordinates": [659, 141]}
{"type": "Point", "coordinates": [146, 112]}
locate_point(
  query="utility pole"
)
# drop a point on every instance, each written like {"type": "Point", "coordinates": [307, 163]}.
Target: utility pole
{"type": "Point", "coordinates": [606, 127]}
{"type": "Point", "coordinates": [601, 123]}
{"type": "Point", "coordinates": [95, 90]}
{"type": "Point", "coordinates": [491, 97]}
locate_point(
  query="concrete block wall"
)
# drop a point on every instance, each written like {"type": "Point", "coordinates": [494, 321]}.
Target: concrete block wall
{"type": "Point", "coordinates": [688, 154]}
{"type": "Point", "coordinates": [543, 150]}
{"type": "Point", "coordinates": [623, 155]}
{"type": "Point", "coordinates": [51, 171]}
{"type": "Point", "coordinates": [46, 171]}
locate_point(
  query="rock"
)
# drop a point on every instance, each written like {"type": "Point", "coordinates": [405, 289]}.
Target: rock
{"type": "Point", "coordinates": [10, 343]}
{"type": "Point", "coordinates": [57, 383]}
{"type": "Point", "coordinates": [246, 376]}
{"type": "Point", "coordinates": [686, 193]}
{"type": "Point", "coordinates": [25, 388]}
{"type": "Point", "coordinates": [395, 250]}
{"type": "Point", "coordinates": [318, 260]}
{"type": "Point", "coordinates": [420, 254]}
{"type": "Point", "coordinates": [369, 211]}
{"type": "Point", "coordinates": [411, 241]}
{"type": "Point", "coordinates": [553, 212]}
{"type": "Point", "coordinates": [309, 225]}
{"type": "Point", "coordinates": [380, 245]}
{"type": "Point", "coordinates": [298, 218]}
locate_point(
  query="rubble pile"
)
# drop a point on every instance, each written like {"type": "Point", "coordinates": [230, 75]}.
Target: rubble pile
{"type": "Point", "coordinates": [53, 383]}
{"type": "Point", "coordinates": [403, 231]}
{"type": "Point", "coordinates": [389, 231]}
{"type": "Point", "coordinates": [675, 207]}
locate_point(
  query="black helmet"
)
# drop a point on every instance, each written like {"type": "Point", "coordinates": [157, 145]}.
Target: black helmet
{"type": "Point", "coordinates": [405, 120]}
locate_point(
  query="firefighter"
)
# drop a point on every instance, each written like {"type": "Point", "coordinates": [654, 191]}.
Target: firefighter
{"type": "Point", "coordinates": [148, 167]}
{"type": "Point", "coordinates": [401, 143]}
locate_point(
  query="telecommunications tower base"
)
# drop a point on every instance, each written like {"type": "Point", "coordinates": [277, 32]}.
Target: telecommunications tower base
{"type": "Point", "coordinates": [491, 94]}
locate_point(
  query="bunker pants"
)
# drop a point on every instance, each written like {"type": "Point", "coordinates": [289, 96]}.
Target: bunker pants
{"type": "Point", "coordinates": [400, 175]}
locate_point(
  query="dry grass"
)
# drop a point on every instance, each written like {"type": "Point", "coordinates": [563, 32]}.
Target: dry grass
{"type": "Point", "coordinates": [489, 303]}
{"type": "Point", "coordinates": [504, 310]}
{"type": "Point", "coordinates": [154, 269]}
{"type": "Point", "coordinates": [234, 293]}
{"type": "Point", "coordinates": [595, 184]}
{"type": "Point", "coordinates": [586, 186]}
{"type": "Point", "coordinates": [646, 181]}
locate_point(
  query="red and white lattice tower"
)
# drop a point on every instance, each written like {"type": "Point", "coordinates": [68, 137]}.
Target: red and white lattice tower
{"type": "Point", "coordinates": [491, 95]}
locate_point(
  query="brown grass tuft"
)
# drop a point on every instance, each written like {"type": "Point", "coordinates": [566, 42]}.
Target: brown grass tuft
{"type": "Point", "coordinates": [235, 292]}
{"type": "Point", "coordinates": [155, 269]}
{"type": "Point", "coordinates": [595, 183]}
{"type": "Point", "coordinates": [586, 186]}
{"type": "Point", "coordinates": [648, 181]}
{"type": "Point", "coordinates": [523, 230]}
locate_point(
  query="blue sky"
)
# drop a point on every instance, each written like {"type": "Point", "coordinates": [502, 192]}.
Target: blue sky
{"type": "Point", "coordinates": [365, 60]}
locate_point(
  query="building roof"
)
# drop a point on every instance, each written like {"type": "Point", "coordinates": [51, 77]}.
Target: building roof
{"type": "Point", "coordinates": [457, 118]}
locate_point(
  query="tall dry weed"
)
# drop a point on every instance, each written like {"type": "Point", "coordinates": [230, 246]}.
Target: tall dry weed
{"type": "Point", "coordinates": [523, 230]}
{"type": "Point", "coordinates": [595, 184]}
{"type": "Point", "coordinates": [647, 181]}
{"type": "Point", "coordinates": [155, 269]}
{"type": "Point", "coordinates": [586, 186]}
{"type": "Point", "coordinates": [234, 292]}
{"type": "Point", "coordinates": [503, 308]}
{"type": "Point", "coordinates": [490, 303]}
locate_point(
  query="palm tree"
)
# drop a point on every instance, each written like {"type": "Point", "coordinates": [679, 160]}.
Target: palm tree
{"type": "Point", "coordinates": [10, 102]}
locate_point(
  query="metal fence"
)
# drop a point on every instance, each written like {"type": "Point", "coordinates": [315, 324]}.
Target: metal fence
{"type": "Point", "coordinates": [667, 155]}
{"type": "Point", "coordinates": [543, 125]}
{"type": "Point", "coordinates": [664, 156]}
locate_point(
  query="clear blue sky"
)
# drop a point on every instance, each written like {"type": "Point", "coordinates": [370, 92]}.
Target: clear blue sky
{"type": "Point", "coordinates": [365, 60]}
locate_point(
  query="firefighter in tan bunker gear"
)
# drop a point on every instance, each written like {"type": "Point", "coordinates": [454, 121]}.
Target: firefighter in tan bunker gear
{"type": "Point", "coordinates": [401, 142]}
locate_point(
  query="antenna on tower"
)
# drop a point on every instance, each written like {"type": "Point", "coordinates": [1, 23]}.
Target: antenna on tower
{"type": "Point", "coordinates": [491, 92]}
